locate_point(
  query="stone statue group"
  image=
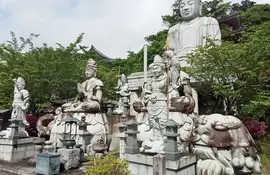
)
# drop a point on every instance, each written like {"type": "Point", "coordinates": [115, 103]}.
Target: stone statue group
{"type": "Point", "coordinates": [222, 143]}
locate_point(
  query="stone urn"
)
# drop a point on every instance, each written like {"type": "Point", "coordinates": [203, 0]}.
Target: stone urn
{"type": "Point", "coordinates": [69, 143]}
{"type": "Point", "coordinates": [100, 150]}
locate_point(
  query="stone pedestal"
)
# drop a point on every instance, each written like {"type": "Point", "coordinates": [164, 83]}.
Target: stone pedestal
{"type": "Point", "coordinates": [48, 148]}
{"type": "Point", "coordinates": [69, 157]}
{"type": "Point", "coordinates": [16, 150]}
{"type": "Point", "coordinates": [38, 148]}
{"type": "Point", "coordinates": [143, 164]}
{"type": "Point", "coordinates": [122, 136]}
{"type": "Point", "coordinates": [131, 140]}
{"type": "Point", "coordinates": [159, 164]}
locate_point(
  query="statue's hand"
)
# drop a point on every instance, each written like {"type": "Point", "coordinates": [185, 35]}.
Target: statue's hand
{"type": "Point", "coordinates": [168, 54]}
{"type": "Point", "coordinates": [94, 98]}
{"type": "Point", "coordinates": [24, 107]}
{"type": "Point", "coordinates": [153, 98]}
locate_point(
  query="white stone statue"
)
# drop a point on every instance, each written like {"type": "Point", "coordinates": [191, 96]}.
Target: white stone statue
{"type": "Point", "coordinates": [124, 93]}
{"type": "Point", "coordinates": [192, 31]}
{"type": "Point", "coordinates": [87, 104]}
{"type": "Point", "coordinates": [21, 101]}
{"type": "Point", "coordinates": [156, 109]}
{"type": "Point", "coordinates": [19, 107]}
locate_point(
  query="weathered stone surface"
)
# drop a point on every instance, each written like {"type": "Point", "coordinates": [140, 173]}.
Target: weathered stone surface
{"type": "Point", "coordinates": [159, 164]}
{"type": "Point", "coordinates": [25, 148]}
{"type": "Point", "coordinates": [69, 157]}
{"type": "Point", "coordinates": [143, 164]}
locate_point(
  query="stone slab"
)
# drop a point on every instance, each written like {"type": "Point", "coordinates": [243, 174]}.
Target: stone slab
{"type": "Point", "coordinates": [14, 151]}
{"type": "Point", "coordinates": [143, 164]}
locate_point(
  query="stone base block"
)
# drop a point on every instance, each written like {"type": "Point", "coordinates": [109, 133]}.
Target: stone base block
{"type": "Point", "coordinates": [173, 156]}
{"type": "Point", "coordinates": [16, 150]}
{"type": "Point", "coordinates": [143, 164]}
{"type": "Point", "coordinates": [132, 150]}
{"type": "Point", "coordinates": [69, 157]}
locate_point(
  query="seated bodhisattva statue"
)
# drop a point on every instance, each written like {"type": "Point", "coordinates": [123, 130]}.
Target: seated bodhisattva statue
{"type": "Point", "coordinates": [86, 105]}
{"type": "Point", "coordinates": [89, 92]}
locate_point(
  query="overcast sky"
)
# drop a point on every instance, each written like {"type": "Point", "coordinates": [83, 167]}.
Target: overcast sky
{"type": "Point", "coordinates": [112, 26]}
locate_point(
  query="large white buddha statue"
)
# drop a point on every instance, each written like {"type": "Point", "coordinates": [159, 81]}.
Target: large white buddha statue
{"type": "Point", "coordinates": [192, 31]}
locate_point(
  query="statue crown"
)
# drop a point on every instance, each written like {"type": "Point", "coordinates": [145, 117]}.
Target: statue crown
{"type": "Point", "coordinates": [20, 80]}
{"type": "Point", "coordinates": [91, 64]}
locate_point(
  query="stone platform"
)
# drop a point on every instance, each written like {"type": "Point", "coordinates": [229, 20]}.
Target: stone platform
{"type": "Point", "coordinates": [143, 164]}
{"type": "Point", "coordinates": [16, 150]}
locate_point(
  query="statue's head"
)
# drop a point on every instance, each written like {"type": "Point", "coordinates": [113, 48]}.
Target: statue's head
{"type": "Point", "coordinates": [158, 66]}
{"type": "Point", "coordinates": [189, 9]}
{"type": "Point", "coordinates": [91, 68]}
{"type": "Point", "coordinates": [123, 78]}
{"type": "Point", "coordinates": [20, 83]}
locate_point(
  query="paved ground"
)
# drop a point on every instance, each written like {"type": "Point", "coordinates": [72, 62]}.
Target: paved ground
{"type": "Point", "coordinates": [25, 168]}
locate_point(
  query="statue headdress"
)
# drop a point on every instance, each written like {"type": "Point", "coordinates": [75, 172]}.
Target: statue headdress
{"type": "Point", "coordinates": [91, 64]}
{"type": "Point", "coordinates": [20, 80]}
{"type": "Point", "coordinates": [158, 60]}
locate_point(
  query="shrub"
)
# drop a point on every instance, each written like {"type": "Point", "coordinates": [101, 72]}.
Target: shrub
{"type": "Point", "coordinates": [109, 165]}
{"type": "Point", "coordinates": [257, 129]}
{"type": "Point", "coordinates": [31, 129]}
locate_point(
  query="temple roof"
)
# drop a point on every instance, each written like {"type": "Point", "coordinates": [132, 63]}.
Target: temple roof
{"type": "Point", "coordinates": [233, 20]}
{"type": "Point", "coordinates": [101, 54]}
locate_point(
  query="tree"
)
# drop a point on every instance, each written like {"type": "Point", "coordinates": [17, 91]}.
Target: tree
{"type": "Point", "coordinates": [243, 6]}
{"type": "Point", "coordinates": [256, 15]}
{"type": "Point", "coordinates": [233, 71]}
{"type": "Point", "coordinates": [216, 8]}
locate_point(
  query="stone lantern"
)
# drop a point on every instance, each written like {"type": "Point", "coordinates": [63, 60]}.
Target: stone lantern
{"type": "Point", "coordinates": [69, 136]}
{"type": "Point", "coordinates": [171, 148]}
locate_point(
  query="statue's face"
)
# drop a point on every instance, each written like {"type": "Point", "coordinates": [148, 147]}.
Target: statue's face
{"type": "Point", "coordinates": [157, 70]}
{"type": "Point", "coordinates": [89, 73]}
{"type": "Point", "coordinates": [189, 9]}
{"type": "Point", "coordinates": [20, 86]}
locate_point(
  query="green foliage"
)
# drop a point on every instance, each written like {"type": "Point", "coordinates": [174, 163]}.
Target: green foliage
{"type": "Point", "coordinates": [109, 165]}
{"type": "Point", "coordinates": [256, 15]}
{"type": "Point", "coordinates": [215, 8]}
{"type": "Point", "coordinates": [50, 73]}
{"type": "Point", "coordinates": [171, 20]}
{"type": "Point", "coordinates": [234, 72]}
{"type": "Point", "coordinates": [243, 6]}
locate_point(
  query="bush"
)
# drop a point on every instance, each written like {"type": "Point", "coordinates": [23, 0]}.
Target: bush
{"type": "Point", "coordinates": [257, 129]}
{"type": "Point", "coordinates": [109, 165]}
{"type": "Point", "coordinates": [31, 129]}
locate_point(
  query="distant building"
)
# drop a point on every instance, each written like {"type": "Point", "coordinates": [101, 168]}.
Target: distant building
{"type": "Point", "coordinates": [233, 21]}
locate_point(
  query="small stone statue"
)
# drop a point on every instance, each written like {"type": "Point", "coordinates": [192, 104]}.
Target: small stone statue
{"type": "Point", "coordinates": [124, 93]}
{"type": "Point", "coordinates": [21, 101]}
